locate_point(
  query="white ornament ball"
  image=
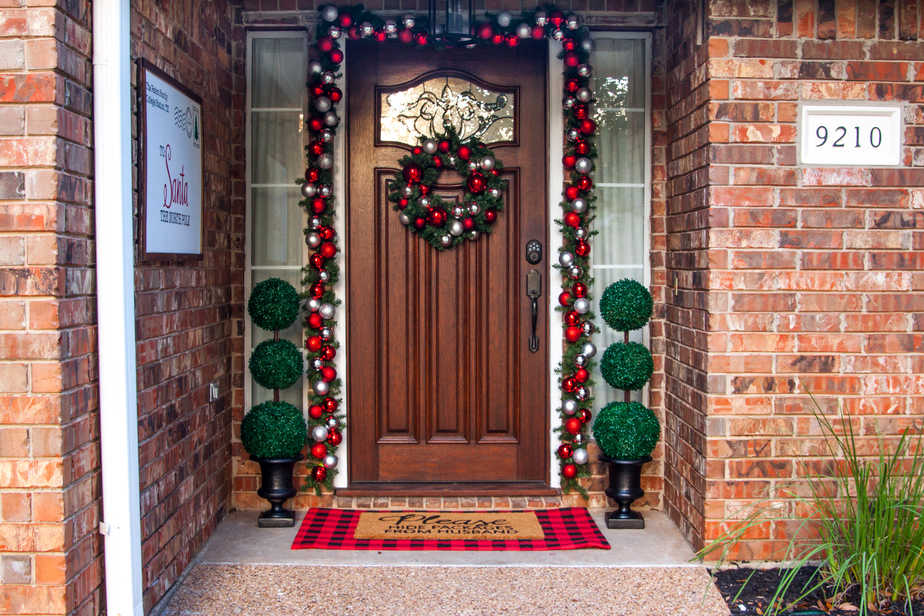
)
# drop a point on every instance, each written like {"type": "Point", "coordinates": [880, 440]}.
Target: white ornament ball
{"type": "Point", "coordinates": [321, 388]}
{"type": "Point", "coordinates": [456, 228]}
{"type": "Point", "coordinates": [580, 360]}
{"type": "Point", "coordinates": [329, 13]}
{"type": "Point", "coordinates": [326, 333]}
{"type": "Point", "coordinates": [331, 119]}
{"type": "Point", "coordinates": [524, 31]}
{"type": "Point", "coordinates": [473, 235]}
{"type": "Point", "coordinates": [474, 209]}
{"type": "Point", "coordinates": [587, 45]}
{"type": "Point", "coordinates": [487, 163]}
{"type": "Point", "coordinates": [404, 219]}
{"type": "Point", "coordinates": [314, 67]}
{"type": "Point", "coordinates": [309, 190]}
{"type": "Point", "coordinates": [584, 95]}
{"type": "Point", "coordinates": [327, 311]}
{"type": "Point", "coordinates": [565, 259]}
{"type": "Point", "coordinates": [503, 19]}
{"type": "Point", "coordinates": [579, 205]}
{"type": "Point", "coordinates": [322, 104]}
{"type": "Point", "coordinates": [494, 193]}
{"type": "Point", "coordinates": [583, 165]}
{"type": "Point", "coordinates": [579, 456]}
{"type": "Point", "coordinates": [584, 70]}
{"type": "Point", "coordinates": [314, 304]}
{"type": "Point", "coordinates": [323, 276]}
{"type": "Point", "coordinates": [330, 460]}
{"type": "Point", "coordinates": [575, 271]}
{"type": "Point", "coordinates": [429, 146]}
{"type": "Point", "coordinates": [569, 407]}
{"type": "Point", "coordinates": [445, 240]}
{"type": "Point", "coordinates": [325, 161]}
{"type": "Point", "coordinates": [588, 349]}
{"type": "Point", "coordinates": [581, 305]}
{"type": "Point", "coordinates": [319, 433]}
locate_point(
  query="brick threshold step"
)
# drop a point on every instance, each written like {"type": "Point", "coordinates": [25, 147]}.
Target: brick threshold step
{"type": "Point", "coordinates": [392, 490]}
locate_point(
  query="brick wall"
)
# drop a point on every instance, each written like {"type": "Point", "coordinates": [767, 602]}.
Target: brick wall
{"type": "Point", "coordinates": [815, 281]}
{"type": "Point", "coordinates": [184, 311]}
{"type": "Point", "coordinates": [50, 552]}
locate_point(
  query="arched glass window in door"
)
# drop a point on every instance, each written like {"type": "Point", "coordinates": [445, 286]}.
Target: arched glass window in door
{"type": "Point", "coordinates": [474, 109]}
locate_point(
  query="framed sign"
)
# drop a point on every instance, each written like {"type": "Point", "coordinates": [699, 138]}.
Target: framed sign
{"type": "Point", "coordinates": [170, 166]}
{"type": "Point", "coordinates": [850, 135]}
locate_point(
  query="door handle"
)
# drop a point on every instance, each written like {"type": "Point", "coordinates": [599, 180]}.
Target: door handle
{"type": "Point", "coordinates": [534, 292]}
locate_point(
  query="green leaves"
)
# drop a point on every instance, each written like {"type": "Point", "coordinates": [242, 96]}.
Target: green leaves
{"type": "Point", "coordinates": [273, 430]}
{"type": "Point", "coordinates": [276, 364]}
{"type": "Point", "coordinates": [626, 430]}
{"type": "Point", "coordinates": [626, 365]}
{"type": "Point", "coordinates": [273, 304]}
{"type": "Point", "coordinates": [626, 305]}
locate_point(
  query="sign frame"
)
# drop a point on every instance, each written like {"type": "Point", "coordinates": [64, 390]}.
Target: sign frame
{"type": "Point", "coordinates": [892, 112]}
{"type": "Point", "coordinates": [145, 66]}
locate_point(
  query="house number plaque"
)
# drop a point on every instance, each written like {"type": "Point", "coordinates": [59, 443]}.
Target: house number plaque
{"type": "Point", "coordinates": [855, 135]}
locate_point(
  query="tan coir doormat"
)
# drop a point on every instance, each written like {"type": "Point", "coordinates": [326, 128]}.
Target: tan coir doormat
{"type": "Point", "coordinates": [440, 526]}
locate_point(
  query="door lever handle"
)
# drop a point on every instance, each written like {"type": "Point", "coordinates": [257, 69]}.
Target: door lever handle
{"type": "Point", "coordinates": [534, 292]}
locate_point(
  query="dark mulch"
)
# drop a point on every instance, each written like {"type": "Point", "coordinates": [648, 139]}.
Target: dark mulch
{"type": "Point", "coordinates": [753, 600]}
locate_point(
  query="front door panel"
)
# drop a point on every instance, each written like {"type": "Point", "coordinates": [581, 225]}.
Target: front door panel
{"type": "Point", "coordinates": [443, 386]}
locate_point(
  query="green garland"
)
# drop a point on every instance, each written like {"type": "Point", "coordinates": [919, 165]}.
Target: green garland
{"type": "Point", "coordinates": [273, 430]}
{"type": "Point", "coordinates": [276, 364]}
{"type": "Point", "coordinates": [441, 224]}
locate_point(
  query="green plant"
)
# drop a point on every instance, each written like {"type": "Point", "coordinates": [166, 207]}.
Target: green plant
{"type": "Point", "coordinates": [276, 364]}
{"type": "Point", "coordinates": [273, 304]}
{"type": "Point", "coordinates": [626, 430]}
{"type": "Point", "coordinates": [870, 533]}
{"type": "Point", "coordinates": [626, 365]}
{"type": "Point", "coordinates": [273, 430]}
{"type": "Point", "coordinates": [626, 305]}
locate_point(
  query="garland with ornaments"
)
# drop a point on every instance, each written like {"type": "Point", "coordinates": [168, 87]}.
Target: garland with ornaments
{"type": "Point", "coordinates": [498, 30]}
{"type": "Point", "coordinates": [443, 225]}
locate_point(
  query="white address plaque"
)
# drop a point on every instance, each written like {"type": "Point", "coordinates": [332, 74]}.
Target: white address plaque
{"type": "Point", "coordinates": [850, 135]}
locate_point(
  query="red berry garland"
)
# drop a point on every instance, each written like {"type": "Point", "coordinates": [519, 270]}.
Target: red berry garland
{"type": "Point", "coordinates": [440, 223]}
{"type": "Point", "coordinates": [434, 219]}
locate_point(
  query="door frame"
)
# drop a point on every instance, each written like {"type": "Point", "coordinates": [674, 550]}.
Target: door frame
{"type": "Point", "coordinates": [555, 152]}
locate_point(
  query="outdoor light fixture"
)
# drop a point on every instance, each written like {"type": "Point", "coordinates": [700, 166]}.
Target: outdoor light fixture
{"type": "Point", "coordinates": [451, 19]}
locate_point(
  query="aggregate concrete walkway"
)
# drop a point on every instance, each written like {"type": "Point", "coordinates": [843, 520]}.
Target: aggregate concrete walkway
{"type": "Point", "coordinates": [245, 570]}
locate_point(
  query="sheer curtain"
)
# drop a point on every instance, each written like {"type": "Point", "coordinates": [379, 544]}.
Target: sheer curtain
{"type": "Point", "coordinates": [620, 250]}
{"type": "Point", "coordinates": [276, 71]}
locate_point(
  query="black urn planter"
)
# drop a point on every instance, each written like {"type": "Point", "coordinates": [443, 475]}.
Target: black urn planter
{"type": "Point", "coordinates": [625, 487]}
{"type": "Point", "coordinates": [276, 486]}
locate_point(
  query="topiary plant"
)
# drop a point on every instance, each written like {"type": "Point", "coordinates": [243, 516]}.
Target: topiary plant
{"type": "Point", "coordinates": [273, 304]}
{"type": "Point", "coordinates": [626, 305]}
{"type": "Point", "coordinates": [274, 430]}
{"type": "Point", "coordinates": [626, 430]}
{"type": "Point", "coordinates": [626, 365]}
{"type": "Point", "coordinates": [276, 364]}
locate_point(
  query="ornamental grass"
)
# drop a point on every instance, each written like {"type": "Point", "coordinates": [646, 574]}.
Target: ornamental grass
{"type": "Point", "coordinates": [870, 536]}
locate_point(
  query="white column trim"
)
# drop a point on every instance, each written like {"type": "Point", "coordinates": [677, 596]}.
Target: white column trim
{"type": "Point", "coordinates": [115, 297]}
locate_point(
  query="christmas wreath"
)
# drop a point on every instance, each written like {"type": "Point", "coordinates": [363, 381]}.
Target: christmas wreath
{"type": "Point", "coordinates": [441, 224]}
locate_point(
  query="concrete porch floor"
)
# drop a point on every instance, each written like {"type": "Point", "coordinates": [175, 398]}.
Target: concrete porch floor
{"type": "Point", "coordinates": [248, 570]}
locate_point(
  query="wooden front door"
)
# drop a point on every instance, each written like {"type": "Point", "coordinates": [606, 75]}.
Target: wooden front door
{"type": "Point", "coordinates": [442, 385]}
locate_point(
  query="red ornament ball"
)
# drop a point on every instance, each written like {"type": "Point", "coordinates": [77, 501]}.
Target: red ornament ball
{"type": "Point", "coordinates": [464, 152]}
{"type": "Point", "coordinates": [468, 224]}
{"type": "Point", "coordinates": [485, 31]}
{"type": "Point", "coordinates": [476, 183]}
{"type": "Point", "coordinates": [330, 404]}
{"type": "Point", "coordinates": [573, 334]}
{"type": "Point", "coordinates": [573, 425]}
{"type": "Point", "coordinates": [583, 415]}
{"type": "Point", "coordinates": [580, 112]}
{"type": "Point", "coordinates": [568, 44]}
{"type": "Point", "coordinates": [412, 173]}
{"type": "Point", "coordinates": [582, 249]}
{"type": "Point", "coordinates": [317, 261]}
{"type": "Point", "coordinates": [568, 161]}
{"type": "Point", "coordinates": [420, 223]}
{"type": "Point", "coordinates": [424, 189]}
{"type": "Point", "coordinates": [316, 148]}
{"type": "Point", "coordinates": [538, 32]}
{"type": "Point", "coordinates": [405, 36]}
{"type": "Point", "coordinates": [584, 183]}
{"type": "Point", "coordinates": [582, 148]}
{"type": "Point", "coordinates": [571, 59]}
{"type": "Point", "coordinates": [437, 218]}
{"type": "Point", "coordinates": [421, 39]}
{"type": "Point", "coordinates": [334, 94]}
{"type": "Point", "coordinates": [328, 353]}
{"type": "Point", "coordinates": [315, 321]}
{"type": "Point", "coordinates": [444, 146]}
{"type": "Point", "coordinates": [315, 124]}
{"type": "Point", "coordinates": [336, 56]}
{"type": "Point", "coordinates": [380, 36]}
{"type": "Point", "coordinates": [417, 150]}
{"type": "Point", "coordinates": [581, 375]}
{"type": "Point", "coordinates": [346, 20]}
{"type": "Point", "coordinates": [572, 220]}
{"type": "Point", "coordinates": [568, 384]}
{"type": "Point", "coordinates": [318, 206]}
{"type": "Point", "coordinates": [327, 233]}
{"type": "Point", "coordinates": [512, 40]}
{"type": "Point", "coordinates": [572, 193]}
{"type": "Point", "coordinates": [572, 318]}
{"type": "Point", "coordinates": [312, 175]}
{"type": "Point", "coordinates": [497, 39]}
{"type": "Point", "coordinates": [334, 437]}
{"type": "Point", "coordinates": [317, 290]}
{"type": "Point", "coordinates": [319, 450]}
{"type": "Point", "coordinates": [325, 44]}
{"type": "Point", "coordinates": [569, 471]}
{"type": "Point", "coordinates": [319, 474]}
{"type": "Point", "coordinates": [490, 216]}
{"type": "Point", "coordinates": [317, 90]}
{"type": "Point", "coordinates": [316, 411]}
{"type": "Point", "coordinates": [314, 344]}
{"type": "Point", "coordinates": [579, 289]}
{"type": "Point", "coordinates": [572, 86]}
{"type": "Point", "coordinates": [556, 18]}
{"type": "Point", "coordinates": [588, 127]}
{"type": "Point", "coordinates": [328, 250]}
{"type": "Point", "coordinates": [564, 298]}
{"type": "Point", "coordinates": [565, 451]}
{"type": "Point", "coordinates": [328, 374]}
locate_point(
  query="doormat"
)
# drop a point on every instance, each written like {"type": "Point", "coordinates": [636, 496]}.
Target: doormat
{"type": "Point", "coordinates": [568, 528]}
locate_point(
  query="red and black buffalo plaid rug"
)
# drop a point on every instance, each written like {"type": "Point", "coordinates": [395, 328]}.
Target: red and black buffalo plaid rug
{"type": "Point", "coordinates": [567, 528]}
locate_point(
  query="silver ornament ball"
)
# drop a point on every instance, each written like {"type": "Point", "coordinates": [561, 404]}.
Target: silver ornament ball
{"type": "Point", "coordinates": [323, 276]}
{"type": "Point", "coordinates": [456, 228]}
{"type": "Point", "coordinates": [583, 165]}
{"type": "Point", "coordinates": [315, 222]}
{"type": "Point", "coordinates": [332, 422]}
{"type": "Point", "coordinates": [408, 191]}
{"type": "Point", "coordinates": [580, 233]}
{"type": "Point", "coordinates": [319, 433]}
{"type": "Point", "coordinates": [565, 259]}
{"type": "Point", "coordinates": [326, 333]}
{"type": "Point", "coordinates": [326, 311]}
{"type": "Point", "coordinates": [579, 205]}
{"type": "Point", "coordinates": [581, 393]}
{"type": "Point", "coordinates": [584, 95]}
{"type": "Point", "coordinates": [524, 31]}
{"type": "Point", "coordinates": [572, 22]}
{"type": "Point", "coordinates": [503, 19]}
{"type": "Point", "coordinates": [322, 104]}
{"type": "Point", "coordinates": [326, 190]}
{"type": "Point", "coordinates": [473, 235]}
{"type": "Point", "coordinates": [309, 190]}
{"type": "Point", "coordinates": [494, 193]}
{"type": "Point", "coordinates": [330, 461]}
{"type": "Point", "coordinates": [569, 407]}
{"type": "Point", "coordinates": [472, 165]}
{"type": "Point", "coordinates": [474, 209]}
{"type": "Point", "coordinates": [429, 146]}
{"type": "Point", "coordinates": [487, 163]}
{"type": "Point", "coordinates": [424, 201]}
{"type": "Point", "coordinates": [404, 219]}
{"type": "Point", "coordinates": [584, 70]}
{"type": "Point", "coordinates": [328, 77]}
{"type": "Point", "coordinates": [558, 35]}
{"type": "Point", "coordinates": [316, 363]}
{"type": "Point", "coordinates": [588, 349]}
{"type": "Point", "coordinates": [331, 119]}
{"type": "Point", "coordinates": [578, 439]}
{"type": "Point", "coordinates": [588, 328]}
{"type": "Point", "coordinates": [390, 27]}
{"type": "Point", "coordinates": [325, 161]}
{"type": "Point", "coordinates": [314, 67]}
{"type": "Point", "coordinates": [321, 388]}
{"type": "Point", "coordinates": [579, 456]}
{"type": "Point", "coordinates": [568, 103]}
{"type": "Point", "coordinates": [408, 21]}
{"type": "Point", "coordinates": [329, 13]}
{"type": "Point", "coordinates": [445, 240]}
{"type": "Point", "coordinates": [581, 305]}
{"type": "Point", "coordinates": [541, 18]}
{"type": "Point", "coordinates": [458, 212]}
{"type": "Point", "coordinates": [334, 32]}
{"type": "Point", "coordinates": [580, 361]}
{"type": "Point", "coordinates": [314, 304]}
{"type": "Point", "coordinates": [575, 271]}
{"type": "Point", "coordinates": [327, 135]}
{"type": "Point", "coordinates": [366, 29]}
{"type": "Point", "coordinates": [587, 45]}
{"type": "Point", "coordinates": [573, 134]}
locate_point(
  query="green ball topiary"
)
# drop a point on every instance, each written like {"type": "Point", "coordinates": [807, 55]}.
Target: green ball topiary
{"type": "Point", "coordinates": [273, 304]}
{"type": "Point", "coordinates": [626, 430]}
{"type": "Point", "coordinates": [626, 305]}
{"type": "Point", "coordinates": [276, 364]}
{"type": "Point", "coordinates": [274, 430]}
{"type": "Point", "coordinates": [626, 365]}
